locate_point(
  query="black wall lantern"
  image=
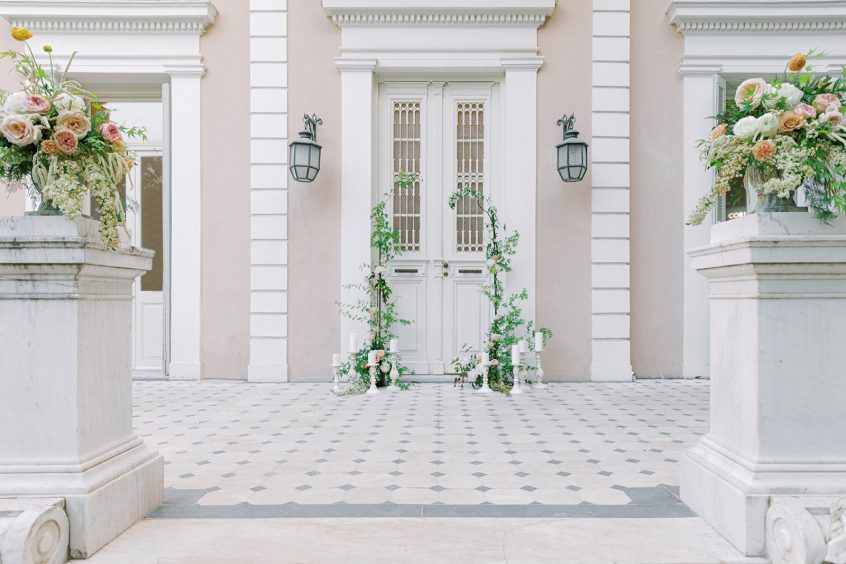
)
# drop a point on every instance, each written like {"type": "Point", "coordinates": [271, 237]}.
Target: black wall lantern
{"type": "Point", "coordinates": [304, 153]}
{"type": "Point", "coordinates": [572, 153]}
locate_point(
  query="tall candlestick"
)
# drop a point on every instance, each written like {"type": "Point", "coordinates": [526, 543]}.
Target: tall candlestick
{"type": "Point", "coordinates": [515, 355]}
{"type": "Point", "coordinates": [336, 378]}
{"type": "Point", "coordinates": [336, 360]}
{"type": "Point", "coordinates": [353, 342]}
{"type": "Point", "coordinates": [538, 341]}
{"type": "Point", "coordinates": [524, 345]}
{"type": "Point", "coordinates": [371, 358]}
{"type": "Point", "coordinates": [485, 358]}
{"type": "Point", "coordinates": [540, 383]}
{"type": "Point", "coordinates": [393, 346]}
{"type": "Point", "coordinates": [516, 361]}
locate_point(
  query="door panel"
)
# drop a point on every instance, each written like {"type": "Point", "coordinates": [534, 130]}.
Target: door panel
{"type": "Point", "coordinates": [441, 131]}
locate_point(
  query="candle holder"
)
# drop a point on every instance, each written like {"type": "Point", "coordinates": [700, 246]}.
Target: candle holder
{"type": "Point", "coordinates": [516, 388]}
{"type": "Point", "coordinates": [351, 373]}
{"type": "Point", "coordinates": [336, 380]}
{"type": "Point", "coordinates": [394, 370]}
{"type": "Point", "coordinates": [540, 383]}
{"type": "Point", "coordinates": [372, 390]}
{"type": "Point", "coordinates": [485, 389]}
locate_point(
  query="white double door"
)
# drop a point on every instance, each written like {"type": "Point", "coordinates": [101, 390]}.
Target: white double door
{"type": "Point", "coordinates": [445, 132]}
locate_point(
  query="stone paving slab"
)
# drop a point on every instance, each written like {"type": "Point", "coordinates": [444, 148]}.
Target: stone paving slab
{"type": "Point", "coordinates": [581, 449]}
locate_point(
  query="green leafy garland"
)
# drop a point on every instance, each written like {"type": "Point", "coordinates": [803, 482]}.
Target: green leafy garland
{"type": "Point", "coordinates": [377, 308]}
{"type": "Point", "coordinates": [507, 321]}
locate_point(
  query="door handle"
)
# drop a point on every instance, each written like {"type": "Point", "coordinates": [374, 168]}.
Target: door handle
{"type": "Point", "coordinates": [445, 266]}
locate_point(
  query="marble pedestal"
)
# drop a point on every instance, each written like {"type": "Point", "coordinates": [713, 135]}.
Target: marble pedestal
{"type": "Point", "coordinates": [65, 378]}
{"type": "Point", "coordinates": [778, 386]}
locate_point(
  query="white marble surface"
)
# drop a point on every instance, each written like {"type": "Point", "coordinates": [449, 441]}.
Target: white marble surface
{"type": "Point", "coordinates": [65, 360]}
{"type": "Point", "coordinates": [778, 304]}
{"type": "Point", "coordinates": [376, 541]}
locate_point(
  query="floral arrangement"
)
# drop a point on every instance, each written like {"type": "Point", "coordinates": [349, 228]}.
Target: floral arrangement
{"type": "Point", "coordinates": [790, 131]}
{"type": "Point", "coordinates": [377, 307]}
{"type": "Point", "coordinates": [55, 140]}
{"type": "Point", "coordinates": [507, 321]}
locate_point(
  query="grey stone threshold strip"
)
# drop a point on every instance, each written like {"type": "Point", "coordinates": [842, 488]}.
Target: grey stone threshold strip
{"type": "Point", "coordinates": [660, 503]}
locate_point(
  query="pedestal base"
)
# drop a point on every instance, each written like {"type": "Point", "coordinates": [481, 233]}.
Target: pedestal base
{"type": "Point", "coordinates": [103, 497]}
{"type": "Point", "coordinates": [733, 495]}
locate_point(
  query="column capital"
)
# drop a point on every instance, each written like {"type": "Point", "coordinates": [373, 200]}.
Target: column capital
{"type": "Point", "coordinates": [354, 64]}
{"type": "Point", "coordinates": [699, 69]}
{"type": "Point", "coordinates": [522, 64]}
{"type": "Point", "coordinates": [186, 71]}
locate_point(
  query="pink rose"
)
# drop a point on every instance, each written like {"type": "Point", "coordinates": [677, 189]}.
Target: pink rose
{"type": "Point", "coordinates": [823, 101]}
{"type": "Point", "coordinates": [37, 104]}
{"type": "Point", "coordinates": [67, 141]}
{"type": "Point", "coordinates": [832, 115]}
{"type": "Point", "coordinates": [110, 132]}
{"type": "Point", "coordinates": [806, 110]}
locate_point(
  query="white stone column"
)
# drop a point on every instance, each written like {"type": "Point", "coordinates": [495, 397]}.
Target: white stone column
{"type": "Point", "coordinates": [358, 178]}
{"type": "Point", "coordinates": [778, 304]}
{"type": "Point", "coordinates": [520, 151]}
{"type": "Point", "coordinates": [610, 280]}
{"type": "Point", "coordinates": [66, 378]}
{"type": "Point", "coordinates": [185, 223]}
{"type": "Point", "coordinates": [699, 103]}
{"type": "Point", "coordinates": [268, 191]}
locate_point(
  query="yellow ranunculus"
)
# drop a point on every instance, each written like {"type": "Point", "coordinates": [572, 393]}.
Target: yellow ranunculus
{"type": "Point", "coordinates": [21, 33]}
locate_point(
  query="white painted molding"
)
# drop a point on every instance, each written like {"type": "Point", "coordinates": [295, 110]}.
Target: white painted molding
{"type": "Point", "coordinates": [760, 16]}
{"type": "Point", "coordinates": [439, 12]}
{"type": "Point", "coordinates": [129, 16]}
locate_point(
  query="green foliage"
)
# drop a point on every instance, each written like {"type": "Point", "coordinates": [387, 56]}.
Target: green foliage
{"type": "Point", "coordinates": [507, 324]}
{"type": "Point", "coordinates": [376, 308]}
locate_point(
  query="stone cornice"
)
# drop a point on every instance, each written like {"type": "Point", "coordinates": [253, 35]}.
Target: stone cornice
{"type": "Point", "coordinates": [439, 12]}
{"type": "Point", "coordinates": [123, 16]}
{"type": "Point", "coordinates": [692, 16]}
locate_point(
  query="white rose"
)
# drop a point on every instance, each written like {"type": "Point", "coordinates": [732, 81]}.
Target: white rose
{"type": "Point", "coordinates": [65, 102]}
{"type": "Point", "coordinates": [19, 131]}
{"type": "Point", "coordinates": [16, 104]}
{"type": "Point", "coordinates": [746, 128]}
{"type": "Point", "coordinates": [791, 94]}
{"type": "Point", "coordinates": [767, 124]}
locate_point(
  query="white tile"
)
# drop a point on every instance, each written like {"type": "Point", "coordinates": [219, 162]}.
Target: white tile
{"type": "Point", "coordinates": [611, 23]}
{"type": "Point", "coordinates": [268, 151]}
{"type": "Point", "coordinates": [610, 99]}
{"type": "Point", "coordinates": [268, 176]}
{"type": "Point", "coordinates": [265, 100]}
{"type": "Point", "coordinates": [610, 74]}
{"type": "Point", "coordinates": [268, 252]}
{"type": "Point", "coordinates": [273, 202]}
{"type": "Point", "coordinates": [610, 175]}
{"type": "Point", "coordinates": [268, 325]}
{"type": "Point", "coordinates": [268, 227]}
{"type": "Point", "coordinates": [268, 5]}
{"type": "Point", "coordinates": [610, 125]}
{"type": "Point", "coordinates": [609, 225]}
{"type": "Point", "coordinates": [268, 24]}
{"type": "Point", "coordinates": [611, 326]}
{"type": "Point", "coordinates": [268, 277]}
{"type": "Point", "coordinates": [610, 150]}
{"type": "Point", "coordinates": [611, 49]}
{"type": "Point", "coordinates": [610, 275]}
{"type": "Point", "coordinates": [269, 126]}
{"type": "Point", "coordinates": [610, 200]}
{"type": "Point", "coordinates": [268, 351]}
{"type": "Point", "coordinates": [268, 49]}
{"type": "Point", "coordinates": [611, 351]}
{"type": "Point", "coordinates": [268, 302]}
{"type": "Point", "coordinates": [610, 301]}
{"type": "Point", "coordinates": [269, 75]}
{"type": "Point", "coordinates": [611, 5]}
{"type": "Point", "coordinates": [609, 250]}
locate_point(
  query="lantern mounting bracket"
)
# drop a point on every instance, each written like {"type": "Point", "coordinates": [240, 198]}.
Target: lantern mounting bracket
{"type": "Point", "coordinates": [310, 123]}
{"type": "Point", "coordinates": [568, 122]}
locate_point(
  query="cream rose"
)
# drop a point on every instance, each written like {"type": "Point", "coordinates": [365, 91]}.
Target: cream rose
{"type": "Point", "coordinates": [763, 150]}
{"type": "Point", "coordinates": [751, 90]}
{"type": "Point", "coordinates": [791, 94]}
{"type": "Point", "coordinates": [65, 102]}
{"type": "Point", "coordinates": [19, 131]}
{"type": "Point", "coordinates": [74, 121]}
{"type": "Point", "coordinates": [832, 116]}
{"type": "Point", "coordinates": [718, 131]}
{"type": "Point", "coordinates": [790, 121]}
{"type": "Point", "coordinates": [805, 110]}
{"type": "Point", "coordinates": [37, 104]}
{"type": "Point", "coordinates": [823, 101]}
{"type": "Point", "coordinates": [50, 147]}
{"type": "Point", "coordinates": [16, 103]}
{"type": "Point", "coordinates": [67, 141]}
{"type": "Point", "coordinates": [110, 132]}
{"type": "Point", "coordinates": [768, 124]}
{"type": "Point", "coordinates": [746, 128]}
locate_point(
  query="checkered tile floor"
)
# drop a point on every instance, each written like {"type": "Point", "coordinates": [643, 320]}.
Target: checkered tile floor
{"type": "Point", "coordinates": [569, 444]}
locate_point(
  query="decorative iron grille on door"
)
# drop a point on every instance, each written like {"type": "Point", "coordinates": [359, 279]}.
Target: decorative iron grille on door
{"type": "Point", "coordinates": [470, 173]}
{"type": "Point", "coordinates": [406, 207]}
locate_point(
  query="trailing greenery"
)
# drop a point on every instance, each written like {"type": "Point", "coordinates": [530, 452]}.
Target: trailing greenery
{"type": "Point", "coordinates": [377, 308]}
{"type": "Point", "coordinates": [507, 325]}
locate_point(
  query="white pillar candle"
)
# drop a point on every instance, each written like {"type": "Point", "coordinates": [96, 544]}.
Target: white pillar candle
{"type": "Point", "coordinates": [485, 358]}
{"type": "Point", "coordinates": [538, 341]}
{"type": "Point", "coordinates": [515, 355]}
{"type": "Point", "coordinates": [353, 342]}
{"type": "Point", "coordinates": [524, 345]}
{"type": "Point", "coordinates": [394, 345]}
{"type": "Point", "coordinates": [336, 360]}
{"type": "Point", "coordinates": [371, 358]}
